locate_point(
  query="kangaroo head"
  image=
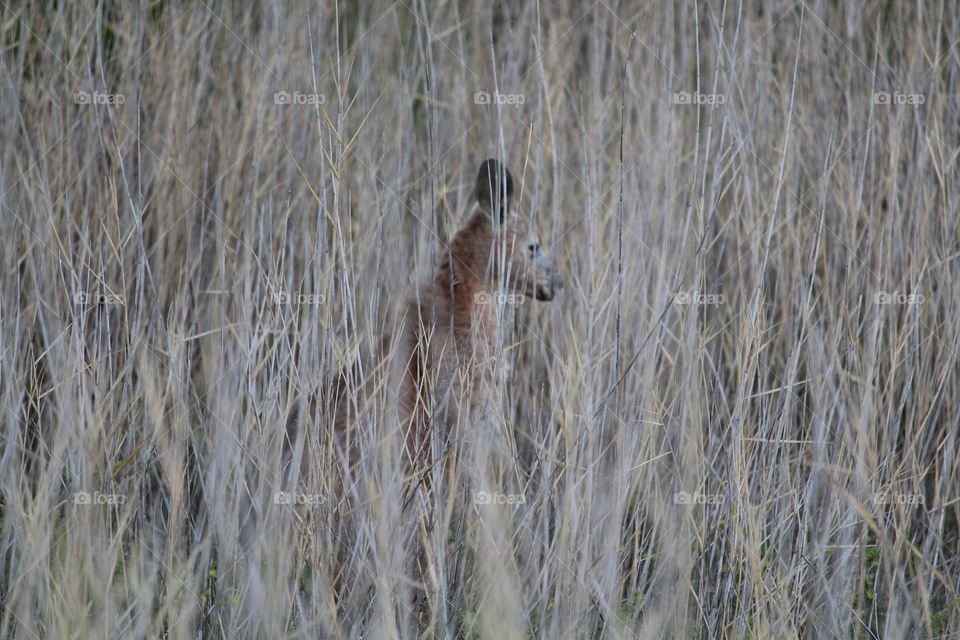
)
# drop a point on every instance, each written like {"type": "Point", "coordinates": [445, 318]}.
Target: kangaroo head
{"type": "Point", "coordinates": [530, 268]}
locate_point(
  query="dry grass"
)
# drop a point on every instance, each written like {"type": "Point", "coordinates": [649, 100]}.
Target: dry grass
{"type": "Point", "coordinates": [733, 422]}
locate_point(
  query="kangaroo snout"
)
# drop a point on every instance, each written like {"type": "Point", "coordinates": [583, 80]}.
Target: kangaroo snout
{"type": "Point", "coordinates": [546, 290]}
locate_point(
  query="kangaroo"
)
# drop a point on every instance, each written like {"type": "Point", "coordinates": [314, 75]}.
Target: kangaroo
{"type": "Point", "coordinates": [449, 332]}
{"type": "Point", "coordinates": [449, 327]}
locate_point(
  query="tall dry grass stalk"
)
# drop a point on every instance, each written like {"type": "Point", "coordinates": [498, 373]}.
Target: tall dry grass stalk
{"type": "Point", "coordinates": [739, 419]}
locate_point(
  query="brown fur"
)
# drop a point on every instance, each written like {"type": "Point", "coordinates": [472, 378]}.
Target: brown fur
{"type": "Point", "coordinates": [448, 327]}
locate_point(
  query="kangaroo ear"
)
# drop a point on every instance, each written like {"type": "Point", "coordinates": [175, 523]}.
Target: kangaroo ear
{"type": "Point", "coordinates": [494, 189]}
